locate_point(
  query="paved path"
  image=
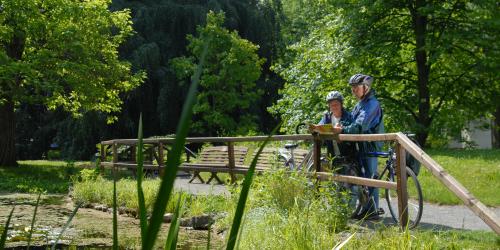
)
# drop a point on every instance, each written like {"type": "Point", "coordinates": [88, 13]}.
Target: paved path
{"type": "Point", "coordinates": [181, 183]}
{"type": "Point", "coordinates": [433, 217]}
{"type": "Point", "coordinates": [445, 217]}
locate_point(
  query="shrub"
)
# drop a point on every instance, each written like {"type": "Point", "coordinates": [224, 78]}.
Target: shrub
{"type": "Point", "coordinates": [289, 211]}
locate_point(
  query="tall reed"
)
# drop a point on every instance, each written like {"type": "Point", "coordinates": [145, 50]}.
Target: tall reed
{"type": "Point", "coordinates": [3, 239]}
{"type": "Point", "coordinates": [244, 195]}
{"type": "Point", "coordinates": [33, 220]}
{"type": "Point", "coordinates": [168, 179]}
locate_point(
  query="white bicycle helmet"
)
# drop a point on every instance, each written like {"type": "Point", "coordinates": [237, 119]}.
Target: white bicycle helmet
{"type": "Point", "coordinates": [334, 95]}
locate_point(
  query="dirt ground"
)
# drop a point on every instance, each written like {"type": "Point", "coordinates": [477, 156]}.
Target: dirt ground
{"type": "Point", "coordinates": [89, 228]}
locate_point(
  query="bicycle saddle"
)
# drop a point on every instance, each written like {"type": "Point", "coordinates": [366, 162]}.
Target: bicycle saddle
{"type": "Point", "coordinates": [291, 145]}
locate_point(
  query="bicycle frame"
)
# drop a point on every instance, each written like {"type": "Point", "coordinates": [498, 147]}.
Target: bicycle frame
{"type": "Point", "coordinates": [287, 154]}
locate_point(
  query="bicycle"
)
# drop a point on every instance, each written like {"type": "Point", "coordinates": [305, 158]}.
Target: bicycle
{"type": "Point", "coordinates": [287, 157]}
{"type": "Point", "coordinates": [360, 194]}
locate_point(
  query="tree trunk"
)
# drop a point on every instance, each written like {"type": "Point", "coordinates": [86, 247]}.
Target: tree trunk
{"type": "Point", "coordinates": [496, 128]}
{"type": "Point", "coordinates": [420, 29]}
{"type": "Point", "coordinates": [14, 50]}
{"type": "Point", "coordinates": [7, 135]}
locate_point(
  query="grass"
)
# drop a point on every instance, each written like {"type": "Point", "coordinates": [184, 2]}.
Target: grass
{"type": "Point", "coordinates": [287, 211]}
{"type": "Point", "coordinates": [477, 170]}
{"type": "Point", "coordinates": [393, 238]}
{"type": "Point", "coordinates": [38, 176]}
{"type": "Point", "coordinates": [51, 177]}
{"type": "Point", "coordinates": [283, 212]}
{"type": "Point", "coordinates": [100, 190]}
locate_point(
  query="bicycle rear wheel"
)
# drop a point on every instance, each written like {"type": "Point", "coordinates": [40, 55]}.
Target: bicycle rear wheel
{"type": "Point", "coordinates": [415, 199]}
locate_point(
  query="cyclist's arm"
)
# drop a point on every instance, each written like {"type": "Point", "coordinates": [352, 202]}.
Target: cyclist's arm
{"type": "Point", "coordinates": [367, 115]}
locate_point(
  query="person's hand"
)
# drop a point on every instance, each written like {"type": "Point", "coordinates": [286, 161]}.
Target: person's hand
{"type": "Point", "coordinates": [337, 129]}
{"type": "Point", "coordinates": [312, 127]}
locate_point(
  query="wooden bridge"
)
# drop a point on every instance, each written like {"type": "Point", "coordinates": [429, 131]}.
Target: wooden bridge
{"type": "Point", "coordinates": [157, 147]}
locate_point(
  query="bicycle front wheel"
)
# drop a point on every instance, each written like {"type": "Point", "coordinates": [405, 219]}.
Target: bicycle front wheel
{"type": "Point", "coordinates": [357, 196]}
{"type": "Point", "coordinates": [415, 199]}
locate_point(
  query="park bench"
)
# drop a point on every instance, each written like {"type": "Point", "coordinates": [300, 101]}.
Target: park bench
{"type": "Point", "coordinates": [215, 159]}
{"type": "Point", "coordinates": [269, 157]}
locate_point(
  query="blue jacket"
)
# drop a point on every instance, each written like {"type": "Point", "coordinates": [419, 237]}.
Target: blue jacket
{"type": "Point", "coordinates": [345, 120]}
{"type": "Point", "coordinates": [367, 119]}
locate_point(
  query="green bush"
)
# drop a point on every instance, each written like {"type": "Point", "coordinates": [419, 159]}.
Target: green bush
{"type": "Point", "coordinates": [288, 211]}
{"type": "Point", "coordinates": [53, 154]}
{"type": "Point", "coordinates": [90, 188]}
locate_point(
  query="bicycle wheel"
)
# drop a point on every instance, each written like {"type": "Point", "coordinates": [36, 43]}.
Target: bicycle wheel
{"type": "Point", "coordinates": [301, 128]}
{"type": "Point", "coordinates": [415, 199]}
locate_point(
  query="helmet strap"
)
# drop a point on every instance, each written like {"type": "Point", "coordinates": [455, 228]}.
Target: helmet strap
{"type": "Point", "coordinates": [366, 89]}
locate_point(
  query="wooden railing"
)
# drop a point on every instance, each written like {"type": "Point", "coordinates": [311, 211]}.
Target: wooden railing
{"type": "Point", "coordinates": [403, 144]}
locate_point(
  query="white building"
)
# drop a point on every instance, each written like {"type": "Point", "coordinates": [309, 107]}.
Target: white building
{"type": "Point", "coordinates": [477, 134]}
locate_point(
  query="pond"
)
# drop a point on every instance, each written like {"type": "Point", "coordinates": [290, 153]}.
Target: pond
{"type": "Point", "coordinates": [90, 228]}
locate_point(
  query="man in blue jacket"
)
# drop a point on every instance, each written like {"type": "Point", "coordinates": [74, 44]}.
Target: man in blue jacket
{"type": "Point", "coordinates": [367, 119]}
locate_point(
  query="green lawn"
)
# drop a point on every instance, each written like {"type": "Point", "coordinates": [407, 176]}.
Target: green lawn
{"type": "Point", "coordinates": [477, 170]}
{"type": "Point", "coordinates": [38, 176]}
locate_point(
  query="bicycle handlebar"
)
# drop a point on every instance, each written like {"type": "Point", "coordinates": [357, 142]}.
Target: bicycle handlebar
{"type": "Point", "coordinates": [299, 126]}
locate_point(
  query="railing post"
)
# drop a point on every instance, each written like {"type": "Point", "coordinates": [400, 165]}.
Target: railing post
{"type": "Point", "coordinates": [317, 152]}
{"type": "Point", "coordinates": [115, 155]}
{"type": "Point", "coordinates": [231, 163]}
{"type": "Point", "coordinates": [151, 153]}
{"type": "Point", "coordinates": [133, 152]}
{"type": "Point", "coordinates": [161, 168]}
{"type": "Point", "coordinates": [103, 157]}
{"type": "Point", "coordinates": [402, 187]}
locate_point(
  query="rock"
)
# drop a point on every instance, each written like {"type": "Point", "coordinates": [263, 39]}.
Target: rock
{"type": "Point", "coordinates": [103, 208]}
{"type": "Point", "coordinates": [122, 210]}
{"type": "Point", "coordinates": [167, 218]}
{"type": "Point", "coordinates": [202, 222]}
{"type": "Point", "coordinates": [186, 222]}
{"type": "Point", "coordinates": [88, 205]}
{"type": "Point", "coordinates": [132, 212]}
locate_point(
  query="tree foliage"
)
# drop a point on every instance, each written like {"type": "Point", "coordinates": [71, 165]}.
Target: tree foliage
{"type": "Point", "coordinates": [61, 53]}
{"type": "Point", "coordinates": [64, 54]}
{"type": "Point", "coordinates": [227, 85]}
{"type": "Point", "coordinates": [160, 29]}
{"type": "Point", "coordinates": [434, 62]}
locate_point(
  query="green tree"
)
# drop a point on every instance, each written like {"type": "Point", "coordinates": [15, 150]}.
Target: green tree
{"type": "Point", "coordinates": [160, 29]}
{"type": "Point", "coordinates": [434, 62]}
{"type": "Point", "coordinates": [60, 53]}
{"type": "Point", "coordinates": [227, 85]}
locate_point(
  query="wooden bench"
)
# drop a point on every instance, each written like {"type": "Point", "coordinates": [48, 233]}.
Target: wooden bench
{"type": "Point", "coordinates": [269, 157]}
{"type": "Point", "coordinates": [215, 159]}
